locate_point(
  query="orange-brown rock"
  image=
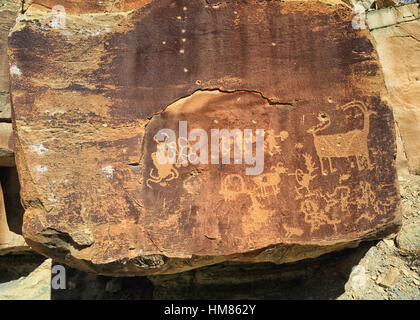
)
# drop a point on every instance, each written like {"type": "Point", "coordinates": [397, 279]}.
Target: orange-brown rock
{"type": "Point", "coordinates": [8, 13]}
{"type": "Point", "coordinates": [7, 158]}
{"type": "Point", "coordinates": [90, 97]}
{"type": "Point", "coordinates": [397, 35]}
{"type": "Point", "coordinates": [83, 6]}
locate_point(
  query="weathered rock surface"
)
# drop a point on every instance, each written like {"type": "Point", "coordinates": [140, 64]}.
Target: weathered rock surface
{"type": "Point", "coordinates": [82, 6]}
{"type": "Point", "coordinates": [8, 12]}
{"type": "Point", "coordinates": [36, 285]}
{"type": "Point", "coordinates": [7, 158]}
{"type": "Point", "coordinates": [91, 94]}
{"type": "Point", "coordinates": [401, 159]}
{"type": "Point", "coordinates": [409, 239]}
{"type": "Point", "coordinates": [397, 36]}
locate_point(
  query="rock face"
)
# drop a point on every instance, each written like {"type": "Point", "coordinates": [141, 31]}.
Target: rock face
{"type": "Point", "coordinates": [10, 228]}
{"type": "Point", "coordinates": [397, 32]}
{"type": "Point", "coordinates": [7, 158]}
{"type": "Point", "coordinates": [35, 286]}
{"type": "Point", "coordinates": [91, 94]}
{"type": "Point", "coordinates": [8, 12]}
{"type": "Point", "coordinates": [408, 239]}
{"type": "Point", "coordinates": [9, 240]}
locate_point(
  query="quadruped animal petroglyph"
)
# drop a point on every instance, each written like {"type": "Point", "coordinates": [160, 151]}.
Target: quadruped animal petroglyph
{"type": "Point", "coordinates": [352, 143]}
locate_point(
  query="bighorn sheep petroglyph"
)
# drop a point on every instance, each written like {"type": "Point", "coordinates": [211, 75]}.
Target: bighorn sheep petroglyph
{"type": "Point", "coordinates": [353, 143]}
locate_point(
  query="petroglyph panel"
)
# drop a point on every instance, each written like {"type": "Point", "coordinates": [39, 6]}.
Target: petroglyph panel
{"type": "Point", "coordinates": [292, 79]}
{"type": "Point", "coordinates": [320, 177]}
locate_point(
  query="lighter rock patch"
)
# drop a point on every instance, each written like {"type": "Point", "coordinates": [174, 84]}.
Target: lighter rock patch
{"type": "Point", "coordinates": [14, 69]}
{"type": "Point", "coordinates": [38, 148]}
{"type": "Point", "coordinates": [41, 168]}
{"type": "Point", "coordinates": [108, 171]}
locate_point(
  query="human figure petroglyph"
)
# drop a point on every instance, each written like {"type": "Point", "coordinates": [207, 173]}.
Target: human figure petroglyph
{"type": "Point", "coordinates": [232, 186]}
{"type": "Point", "coordinates": [353, 143]}
{"type": "Point", "coordinates": [316, 216]}
{"type": "Point", "coordinates": [271, 141]}
{"type": "Point", "coordinates": [304, 179]}
{"type": "Point", "coordinates": [165, 172]}
{"type": "Point", "coordinates": [341, 194]}
{"type": "Point", "coordinates": [368, 197]}
{"type": "Point", "coordinates": [314, 213]}
{"type": "Point", "coordinates": [369, 200]}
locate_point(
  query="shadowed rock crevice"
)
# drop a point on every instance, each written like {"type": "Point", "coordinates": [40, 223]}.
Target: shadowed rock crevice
{"type": "Point", "coordinates": [320, 278]}
{"type": "Point", "coordinates": [11, 188]}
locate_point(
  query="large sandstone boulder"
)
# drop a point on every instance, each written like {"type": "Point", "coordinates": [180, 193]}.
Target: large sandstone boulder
{"type": "Point", "coordinates": [397, 35]}
{"type": "Point", "coordinates": [91, 94]}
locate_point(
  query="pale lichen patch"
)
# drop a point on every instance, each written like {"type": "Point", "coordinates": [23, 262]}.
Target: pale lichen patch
{"type": "Point", "coordinates": [14, 69]}
{"type": "Point", "coordinates": [108, 171]}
